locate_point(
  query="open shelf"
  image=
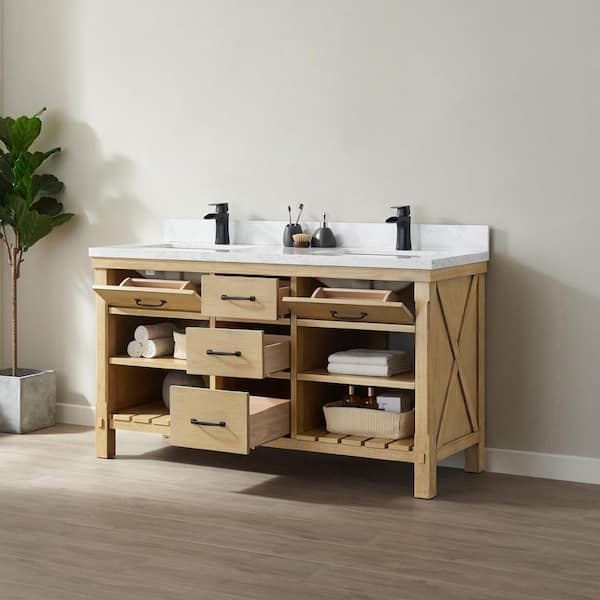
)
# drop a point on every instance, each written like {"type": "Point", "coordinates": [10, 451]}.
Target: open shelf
{"type": "Point", "coordinates": [319, 440]}
{"type": "Point", "coordinates": [279, 321]}
{"type": "Point", "coordinates": [164, 362]}
{"type": "Point", "coordinates": [387, 327]}
{"type": "Point", "coordinates": [172, 364]}
{"type": "Point", "coordinates": [159, 314]}
{"type": "Point", "coordinates": [151, 418]}
{"type": "Point", "coordinates": [403, 381]}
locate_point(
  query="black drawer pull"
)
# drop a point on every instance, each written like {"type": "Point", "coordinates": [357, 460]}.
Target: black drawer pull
{"type": "Point", "coordinates": [248, 298]}
{"type": "Point", "coordinates": [219, 353]}
{"type": "Point", "coordinates": [208, 423]}
{"type": "Point", "coordinates": [335, 315]}
{"type": "Point", "coordinates": [141, 304]}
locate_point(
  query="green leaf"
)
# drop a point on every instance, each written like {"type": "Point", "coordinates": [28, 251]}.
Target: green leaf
{"type": "Point", "coordinates": [24, 132]}
{"type": "Point", "coordinates": [33, 227]}
{"type": "Point", "coordinates": [61, 219]}
{"type": "Point", "coordinates": [46, 184]}
{"type": "Point", "coordinates": [6, 124]}
{"type": "Point", "coordinates": [5, 169]}
{"type": "Point", "coordinates": [47, 206]}
{"type": "Point", "coordinates": [12, 210]}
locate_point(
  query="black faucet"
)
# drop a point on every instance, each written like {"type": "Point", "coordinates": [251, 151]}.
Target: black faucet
{"type": "Point", "coordinates": [402, 220]}
{"type": "Point", "coordinates": [221, 217]}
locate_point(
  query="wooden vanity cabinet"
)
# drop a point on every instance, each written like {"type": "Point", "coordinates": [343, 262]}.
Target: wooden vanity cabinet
{"type": "Point", "coordinates": [262, 334]}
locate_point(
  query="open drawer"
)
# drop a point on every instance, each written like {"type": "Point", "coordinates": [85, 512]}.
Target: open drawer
{"type": "Point", "coordinates": [351, 305]}
{"type": "Point", "coordinates": [156, 294]}
{"type": "Point", "coordinates": [225, 421]}
{"type": "Point", "coordinates": [249, 298]}
{"type": "Point", "coordinates": [236, 352]}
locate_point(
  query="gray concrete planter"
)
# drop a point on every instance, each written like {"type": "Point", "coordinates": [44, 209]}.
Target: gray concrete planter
{"type": "Point", "coordinates": [28, 401]}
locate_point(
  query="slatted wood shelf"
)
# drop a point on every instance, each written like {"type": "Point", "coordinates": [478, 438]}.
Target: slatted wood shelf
{"type": "Point", "coordinates": [389, 327]}
{"type": "Point", "coordinates": [150, 418]}
{"type": "Point", "coordinates": [403, 381]}
{"type": "Point", "coordinates": [319, 440]}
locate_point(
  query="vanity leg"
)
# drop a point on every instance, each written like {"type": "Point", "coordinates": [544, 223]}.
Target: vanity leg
{"type": "Point", "coordinates": [475, 456]}
{"type": "Point", "coordinates": [105, 437]}
{"type": "Point", "coordinates": [425, 484]}
{"type": "Point", "coordinates": [105, 441]}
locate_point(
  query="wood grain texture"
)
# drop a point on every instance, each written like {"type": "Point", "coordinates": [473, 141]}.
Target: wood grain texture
{"type": "Point", "coordinates": [273, 270]}
{"type": "Point", "coordinates": [247, 421]}
{"type": "Point", "coordinates": [261, 353]}
{"type": "Point", "coordinates": [323, 324]}
{"type": "Point", "coordinates": [177, 524]}
{"type": "Point", "coordinates": [105, 346]}
{"type": "Point", "coordinates": [348, 310]}
{"type": "Point", "coordinates": [426, 371]}
{"type": "Point", "coordinates": [153, 298]}
{"type": "Point", "coordinates": [267, 294]}
{"type": "Point", "coordinates": [403, 381]}
{"type": "Point", "coordinates": [475, 455]}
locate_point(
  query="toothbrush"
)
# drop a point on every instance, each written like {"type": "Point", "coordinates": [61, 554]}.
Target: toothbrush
{"type": "Point", "coordinates": [290, 213]}
{"type": "Point", "coordinates": [300, 209]}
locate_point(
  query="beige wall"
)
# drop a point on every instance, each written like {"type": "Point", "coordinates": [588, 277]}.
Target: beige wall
{"type": "Point", "coordinates": [471, 111]}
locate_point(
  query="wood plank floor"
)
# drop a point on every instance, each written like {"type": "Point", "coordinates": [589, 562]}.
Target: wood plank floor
{"type": "Point", "coordinates": [169, 523]}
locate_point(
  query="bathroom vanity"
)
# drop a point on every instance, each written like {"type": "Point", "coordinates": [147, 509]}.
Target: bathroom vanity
{"type": "Point", "coordinates": [255, 329]}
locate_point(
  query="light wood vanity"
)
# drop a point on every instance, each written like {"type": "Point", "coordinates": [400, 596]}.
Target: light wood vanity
{"type": "Point", "coordinates": [264, 342]}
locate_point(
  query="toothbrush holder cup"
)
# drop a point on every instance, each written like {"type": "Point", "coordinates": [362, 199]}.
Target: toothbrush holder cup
{"type": "Point", "coordinates": [289, 232]}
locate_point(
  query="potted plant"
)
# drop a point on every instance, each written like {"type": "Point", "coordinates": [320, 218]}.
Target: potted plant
{"type": "Point", "coordinates": [29, 211]}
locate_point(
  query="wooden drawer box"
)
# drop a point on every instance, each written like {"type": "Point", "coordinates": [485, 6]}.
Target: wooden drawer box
{"type": "Point", "coordinates": [350, 305]}
{"type": "Point", "coordinates": [249, 298]}
{"type": "Point", "coordinates": [236, 352]}
{"type": "Point", "coordinates": [225, 421]}
{"type": "Point", "coordinates": [156, 294]}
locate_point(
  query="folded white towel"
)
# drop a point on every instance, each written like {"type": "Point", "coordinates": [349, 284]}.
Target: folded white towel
{"type": "Point", "coordinates": [367, 356]}
{"type": "Point", "coordinates": [134, 349]}
{"type": "Point", "coordinates": [370, 370]}
{"type": "Point", "coordinates": [158, 347]}
{"type": "Point", "coordinates": [143, 333]}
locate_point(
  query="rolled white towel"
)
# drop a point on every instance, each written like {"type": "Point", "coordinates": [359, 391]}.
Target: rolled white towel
{"type": "Point", "coordinates": [134, 349]}
{"type": "Point", "coordinates": [180, 348]}
{"type": "Point", "coordinates": [143, 333]}
{"type": "Point", "coordinates": [158, 347]}
{"type": "Point", "coordinates": [367, 356]}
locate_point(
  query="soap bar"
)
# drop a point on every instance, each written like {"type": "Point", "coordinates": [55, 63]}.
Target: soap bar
{"type": "Point", "coordinates": [394, 402]}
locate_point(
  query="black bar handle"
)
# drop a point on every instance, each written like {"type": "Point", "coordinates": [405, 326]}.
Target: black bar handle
{"type": "Point", "coordinates": [360, 317]}
{"type": "Point", "coordinates": [248, 298]}
{"type": "Point", "coordinates": [211, 352]}
{"type": "Point", "coordinates": [141, 304]}
{"type": "Point", "coordinates": [208, 423]}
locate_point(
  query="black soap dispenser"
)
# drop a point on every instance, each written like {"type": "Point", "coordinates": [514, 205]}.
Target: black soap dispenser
{"type": "Point", "coordinates": [323, 237]}
{"type": "Point", "coordinates": [402, 220]}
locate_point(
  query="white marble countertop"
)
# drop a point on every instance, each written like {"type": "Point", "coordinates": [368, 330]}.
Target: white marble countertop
{"type": "Point", "coordinates": [437, 246]}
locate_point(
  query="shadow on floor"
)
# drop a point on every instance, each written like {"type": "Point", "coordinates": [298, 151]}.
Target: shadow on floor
{"type": "Point", "coordinates": [344, 481]}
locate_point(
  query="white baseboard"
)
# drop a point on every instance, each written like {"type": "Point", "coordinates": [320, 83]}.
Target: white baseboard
{"type": "Point", "coordinates": [75, 414]}
{"type": "Point", "coordinates": [581, 469]}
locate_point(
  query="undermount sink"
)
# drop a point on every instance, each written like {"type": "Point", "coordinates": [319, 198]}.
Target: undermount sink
{"type": "Point", "coordinates": [397, 253]}
{"type": "Point", "coordinates": [203, 248]}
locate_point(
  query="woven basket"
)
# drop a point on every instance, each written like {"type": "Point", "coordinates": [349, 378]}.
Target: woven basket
{"type": "Point", "coordinates": [368, 422]}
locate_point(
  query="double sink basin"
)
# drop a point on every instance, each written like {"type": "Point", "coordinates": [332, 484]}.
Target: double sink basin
{"type": "Point", "coordinates": [232, 248]}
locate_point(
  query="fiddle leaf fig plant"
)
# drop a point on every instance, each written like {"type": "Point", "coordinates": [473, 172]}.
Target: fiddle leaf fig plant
{"type": "Point", "coordinates": [29, 209]}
